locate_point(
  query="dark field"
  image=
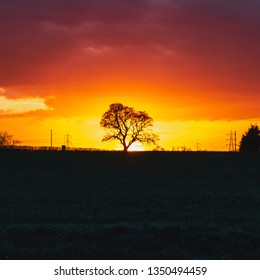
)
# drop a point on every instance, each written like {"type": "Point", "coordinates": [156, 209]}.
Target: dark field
{"type": "Point", "coordinates": [104, 205]}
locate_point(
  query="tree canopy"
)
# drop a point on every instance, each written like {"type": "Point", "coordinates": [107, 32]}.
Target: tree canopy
{"type": "Point", "coordinates": [250, 140]}
{"type": "Point", "coordinates": [127, 125]}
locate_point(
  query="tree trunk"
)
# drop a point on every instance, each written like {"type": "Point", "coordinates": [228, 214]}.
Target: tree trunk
{"type": "Point", "coordinates": [125, 145]}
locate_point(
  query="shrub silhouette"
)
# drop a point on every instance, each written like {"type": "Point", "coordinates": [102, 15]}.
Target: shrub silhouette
{"type": "Point", "coordinates": [250, 140]}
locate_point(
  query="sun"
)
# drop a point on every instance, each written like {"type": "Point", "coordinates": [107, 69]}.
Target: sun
{"type": "Point", "coordinates": [136, 147]}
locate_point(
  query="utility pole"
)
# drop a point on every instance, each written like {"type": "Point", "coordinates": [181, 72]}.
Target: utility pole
{"type": "Point", "coordinates": [51, 139]}
{"type": "Point", "coordinates": [197, 147]}
{"type": "Point", "coordinates": [231, 145]}
{"type": "Point", "coordinates": [235, 136]}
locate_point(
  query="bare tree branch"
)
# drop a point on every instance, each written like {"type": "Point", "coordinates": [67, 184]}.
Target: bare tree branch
{"type": "Point", "coordinates": [7, 140]}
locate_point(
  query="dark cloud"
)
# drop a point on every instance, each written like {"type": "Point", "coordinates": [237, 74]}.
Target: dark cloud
{"type": "Point", "coordinates": [231, 9]}
{"type": "Point", "coordinates": [39, 34]}
{"type": "Point", "coordinates": [209, 45]}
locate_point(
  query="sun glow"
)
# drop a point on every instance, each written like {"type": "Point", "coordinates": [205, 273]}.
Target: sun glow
{"type": "Point", "coordinates": [136, 147]}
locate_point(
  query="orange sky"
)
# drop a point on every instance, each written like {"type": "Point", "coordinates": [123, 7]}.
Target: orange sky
{"type": "Point", "coordinates": [192, 65]}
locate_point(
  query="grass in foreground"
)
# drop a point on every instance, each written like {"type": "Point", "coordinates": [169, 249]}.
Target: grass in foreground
{"type": "Point", "coordinates": [104, 205]}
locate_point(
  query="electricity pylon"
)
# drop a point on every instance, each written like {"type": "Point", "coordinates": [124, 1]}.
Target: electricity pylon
{"type": "Point", "coordinates": [67, 140]}
{"type": "Point", "coordinates": [232, 146]}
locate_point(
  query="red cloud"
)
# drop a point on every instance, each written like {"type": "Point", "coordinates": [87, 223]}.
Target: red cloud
{"type": "Point", "coordinates": [209, 48]}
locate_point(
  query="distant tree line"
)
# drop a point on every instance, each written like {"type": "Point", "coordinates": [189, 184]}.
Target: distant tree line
{"type": "Point", "coordinates": [126, 125]}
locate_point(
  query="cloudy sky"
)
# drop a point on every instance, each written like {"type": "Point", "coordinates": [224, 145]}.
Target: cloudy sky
{"type": "Point", "coordinates": [193, 65]}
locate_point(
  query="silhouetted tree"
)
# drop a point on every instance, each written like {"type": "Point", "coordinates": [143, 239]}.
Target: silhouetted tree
{"type": "Point", "coordinates": [250, 140]}
{"type": "Point", "coordinates": [126, 125]}
{"type": "Point", "coordinates": [7, 140]}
